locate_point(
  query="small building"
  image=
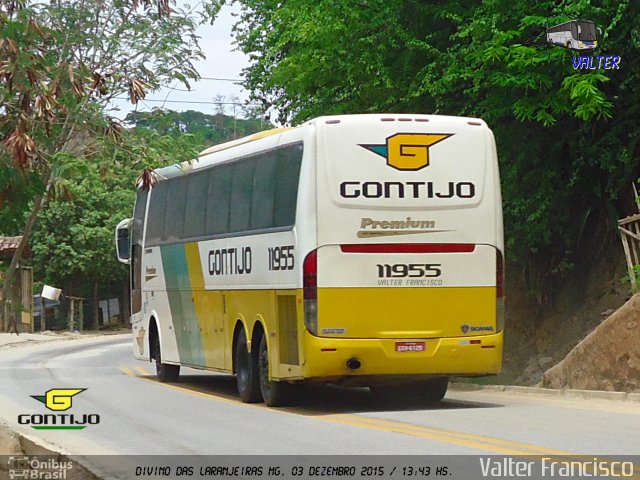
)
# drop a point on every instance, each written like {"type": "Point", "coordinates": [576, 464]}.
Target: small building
{"type": "Point", "coordinates": [23, 285]}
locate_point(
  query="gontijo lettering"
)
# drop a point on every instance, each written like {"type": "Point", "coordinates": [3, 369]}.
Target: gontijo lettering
{"type": "Point", "coordinates": [357, 189]}
{"type": "Point", "coordinates": [230, 261]}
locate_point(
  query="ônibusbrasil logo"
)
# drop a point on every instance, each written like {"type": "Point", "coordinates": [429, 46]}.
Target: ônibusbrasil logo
{"type": "Point", "coordinates": [38, 468]}
{"type": "Point", "coordinates": [58, 400]}
{"type": "Point", "coordinates": [408, 151]}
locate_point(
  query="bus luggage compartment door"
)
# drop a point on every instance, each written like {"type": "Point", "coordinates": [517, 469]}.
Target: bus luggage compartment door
{"type": "Point", "coordinates": [406, 290]}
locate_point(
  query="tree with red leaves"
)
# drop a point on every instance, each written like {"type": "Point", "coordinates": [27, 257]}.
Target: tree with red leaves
{"type": "Point", "coordinates": [61, 63]}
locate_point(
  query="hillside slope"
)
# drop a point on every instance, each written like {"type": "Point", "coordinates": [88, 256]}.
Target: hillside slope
{"type": "Point", "coordinates": [607, 359]}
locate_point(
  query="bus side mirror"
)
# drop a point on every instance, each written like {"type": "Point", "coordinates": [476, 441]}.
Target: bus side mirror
{"type": "Point", "coordinates": [599, 30]}
{"type": "Point", "coordinates": [122, 241]}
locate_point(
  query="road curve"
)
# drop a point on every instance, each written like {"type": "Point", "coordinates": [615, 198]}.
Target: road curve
{"type": "Point", "coordinates": [202, 415]}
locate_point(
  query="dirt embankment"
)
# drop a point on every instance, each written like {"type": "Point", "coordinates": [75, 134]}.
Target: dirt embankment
{"type": "Point", "coordinates": [607, 359]}
{"type": "Point", "coordinates": [536, 339]}
{"type": "Point", "coordinates": [13, 444]}
{"type": "Point", "coordinates": [9, 442]}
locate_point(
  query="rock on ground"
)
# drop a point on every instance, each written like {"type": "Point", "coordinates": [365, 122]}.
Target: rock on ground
{"type": "Point", "coordinates": [607, 359]}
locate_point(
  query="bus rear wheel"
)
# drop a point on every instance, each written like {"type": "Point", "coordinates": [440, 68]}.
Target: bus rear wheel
{"type": "Point", "coordinates": [275, 394]}
{"type": "Point", "coordinates": [246, 371]}
{"type": "Point", "coordinates": [434, 390]}
{"type": "Point", "coordinates": [429, 391]}
{"type": "Point", "coordinates": [164, 372]}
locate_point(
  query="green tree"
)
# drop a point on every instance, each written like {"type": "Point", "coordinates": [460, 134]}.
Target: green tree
{"type": "Point", "coordinates": [567, 140]}
{"type": "Point", "coordinates": [73, 240]}
{"type": "Point", "coordinates": [61, 63]}
{"type": "Point", "coordinates": [210, 129]}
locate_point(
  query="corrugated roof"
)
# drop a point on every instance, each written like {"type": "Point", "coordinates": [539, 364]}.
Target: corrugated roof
{"type": "Point", "coordinates": [9, 243]}
{"type": "Point", "coordinates": [8, 246]}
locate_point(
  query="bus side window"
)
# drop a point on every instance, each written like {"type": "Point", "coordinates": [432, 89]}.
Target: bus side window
{"type": "Point", "coordinates": [242, 185]}
{"type": "Point", "coordinates": [136, 249]}
{"type": "Point", "coordinates": [195, 214]}
{"type": "Point", "coordinates": [175, 210]}
{"type": "Point", "coordinates": [218, 198]}
{"type": "Point", "coordinates": [155, 222]}
{"type": "Point", "coordinates": [264, 184]}
{"type": "Point", "coordinates": [288, 177]}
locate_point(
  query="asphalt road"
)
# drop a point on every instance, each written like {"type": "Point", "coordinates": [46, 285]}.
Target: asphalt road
{"type": "Point", "coordinates": [202, 414]}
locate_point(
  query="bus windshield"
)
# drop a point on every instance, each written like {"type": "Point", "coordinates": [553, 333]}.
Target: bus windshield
{"type": "Point", "coordinates": [586, 31]}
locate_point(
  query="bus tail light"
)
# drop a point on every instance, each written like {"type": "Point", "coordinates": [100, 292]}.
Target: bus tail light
{"type": "Point", "coordinates": [310, 291]}
{"type": "Point", "coordinates": [499, 291]}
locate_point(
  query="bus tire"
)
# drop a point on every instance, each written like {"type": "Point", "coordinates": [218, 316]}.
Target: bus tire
{"type": "Point", "coordinates": [392, 394]}
{"type": "Point", "coordinates": [246, 371]}
{"type": "Point", "coordinates": [569, 46]}
{"type": "Point", "coordinates": [435, 390]}
{"type": "Point", "coordinates": [275, 394]}
{"type": "Point", "coordinates": [429, 391]}
{"type": "Point", "coordinates": [165, 373]}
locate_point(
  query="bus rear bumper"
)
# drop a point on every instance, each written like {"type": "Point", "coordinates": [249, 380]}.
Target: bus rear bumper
{"type": "Point", "coordinates": [331, 359]}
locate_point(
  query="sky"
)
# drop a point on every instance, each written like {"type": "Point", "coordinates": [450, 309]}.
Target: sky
{"type": "Point", "coordinates": [222, 62]}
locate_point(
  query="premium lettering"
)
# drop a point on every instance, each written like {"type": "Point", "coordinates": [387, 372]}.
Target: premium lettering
{"type": "Point", "coordinates": [408, 223]}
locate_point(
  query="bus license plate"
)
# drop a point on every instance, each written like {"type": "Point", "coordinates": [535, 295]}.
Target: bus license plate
{"type": "Point", "coordinates": [410, 347]}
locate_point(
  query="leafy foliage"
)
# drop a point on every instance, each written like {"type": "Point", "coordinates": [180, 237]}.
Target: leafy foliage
{"type": "Point", "coordinates": [61, 61]}
{"type": "Point", "coordinates": [64, 60]}
{"type": "Point", "coordinates": [567, 139]}
{"type": "Point", "coordinates": [210, 129]}
{"type": "Point", "coordinates": [73, 242]}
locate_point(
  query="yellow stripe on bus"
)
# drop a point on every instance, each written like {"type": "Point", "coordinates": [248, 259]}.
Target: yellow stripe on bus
{"type": "Point", "coordinates": [204, 303]}
{"type": "Point", "coordinates": [407, 312]}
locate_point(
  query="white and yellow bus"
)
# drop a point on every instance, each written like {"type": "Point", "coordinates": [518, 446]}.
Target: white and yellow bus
{"type": "Point", "coordinates": [360, 250]}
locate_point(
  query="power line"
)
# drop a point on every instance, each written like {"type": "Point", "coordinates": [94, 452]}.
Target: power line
{"type": "Point", "coordinates": [191, 101]}
{"type": "Point", "coordinates": [222, 79]}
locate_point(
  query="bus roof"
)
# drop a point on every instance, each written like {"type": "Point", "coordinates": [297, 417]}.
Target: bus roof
{"type": "Point", "coordinates": [185, 167]}
{"type": "Point", "coordinates": [240, 141]}
{"type": "Point", "coordinates": [568, 22]}
{"type": "Point", "coordinates": [164, 173]}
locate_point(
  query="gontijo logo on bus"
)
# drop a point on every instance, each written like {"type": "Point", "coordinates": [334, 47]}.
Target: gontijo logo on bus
{"type": "Point", "coordinates": [408, 151]}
